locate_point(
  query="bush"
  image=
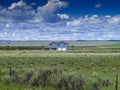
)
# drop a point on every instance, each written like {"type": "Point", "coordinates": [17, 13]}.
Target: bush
{"type": "Point", "coordinates": [26, 77]}
{"type": "Point", "coordinates": [71, 82]}
{"type": "Point", "coordinates": [41, 78]}
{"type": "Point", "coordinates": [6, 79]}
{"type": "Point", "coordinates": [54, 78]}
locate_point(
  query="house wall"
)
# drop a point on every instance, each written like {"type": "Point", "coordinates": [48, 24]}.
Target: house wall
{"type": "Point", "coordinates": [61, 49]}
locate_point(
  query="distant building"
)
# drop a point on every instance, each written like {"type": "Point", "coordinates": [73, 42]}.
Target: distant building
{"type": "Point", "coordinates": [60, 46]}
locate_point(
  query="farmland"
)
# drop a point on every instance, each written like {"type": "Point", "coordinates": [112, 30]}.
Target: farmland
{"type": "Point", "coordinates": [20, 69]}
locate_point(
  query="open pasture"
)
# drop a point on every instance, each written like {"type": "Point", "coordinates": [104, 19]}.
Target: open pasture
{"type": "Point", "coordinates": [94, 71]}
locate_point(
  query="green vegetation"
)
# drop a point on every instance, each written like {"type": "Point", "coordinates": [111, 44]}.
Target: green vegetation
{"type": "Point", "coordinates": [73, 49]}
{"type": "Point", "coordinates": [52, 70]}
{"type": "Point", "coordinates": [24, 48]}
{"type": "Point", "coordinates": [110, 46]}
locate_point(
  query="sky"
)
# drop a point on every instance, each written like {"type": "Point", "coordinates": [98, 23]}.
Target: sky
{"type": "Point", "coordinates": [59, 19]}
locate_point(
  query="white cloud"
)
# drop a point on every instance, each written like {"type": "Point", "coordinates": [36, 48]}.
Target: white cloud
{"type": "Point", "coordinates": [75, 22]}
{"type": "Point", "coordinates": [18, 4]}
{"type": "Point", "coordinates": [7, 25]}
{"type": "Point", "coordinates": [21, 22]}
{"type": "Point", "coordinates": [47, 11]}
{"type": "Point", "coordinates": [99, 5]}
{"type": "Point", "coordinates": [16, 12]}
{"type": "Point", "coordinates": [108, 16]}
{"type": "Point", "coordinates": [52, 6]}
{"type": "Point", "coordinates": [99, 29]}
{"type": "Point", "coordinates": [94, 17]}
{"type": "Point", "coordinates": [115, 19]}
{"type": "Point", "coordinates": [21, 11]}
{"type": "Point", "coordinates": [63, 16]}
{"type": "Point", "coordinates": [96, 27]}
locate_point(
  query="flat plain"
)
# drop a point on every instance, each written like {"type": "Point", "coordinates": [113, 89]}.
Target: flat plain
{"type": "Point", "coordinates": [25, 70]}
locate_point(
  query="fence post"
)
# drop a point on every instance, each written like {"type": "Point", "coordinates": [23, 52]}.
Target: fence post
{"type": "Point", "coordinates": [116, 87]}
{"type": "Point", "coordinates": [10, 72]}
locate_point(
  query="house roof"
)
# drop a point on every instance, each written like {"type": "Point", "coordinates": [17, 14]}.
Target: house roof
{"type": "Point", "coordinates": [62, 42]}
{"type": "Point", "coordinates": [52, 43]}
{"type": "Point", "coordinates": [57, 43]}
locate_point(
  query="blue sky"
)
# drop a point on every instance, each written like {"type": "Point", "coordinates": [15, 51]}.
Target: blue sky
{"type": "Point", "coordinates": [59, 20]}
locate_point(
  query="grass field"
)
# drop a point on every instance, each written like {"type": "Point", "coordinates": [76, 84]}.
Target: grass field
{"type": "Point", "coordinates": [111, 46]}
{"type": "Point", "coordinates": [94, 71]}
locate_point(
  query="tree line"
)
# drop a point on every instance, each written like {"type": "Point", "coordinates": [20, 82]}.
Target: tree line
{"type": "Point", "coordinates": [24, 48]}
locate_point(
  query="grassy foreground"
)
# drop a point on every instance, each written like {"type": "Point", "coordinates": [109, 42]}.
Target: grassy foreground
{"type": "Point", "coordinates": [88, 67]}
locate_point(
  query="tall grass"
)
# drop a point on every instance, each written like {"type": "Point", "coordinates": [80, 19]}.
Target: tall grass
{"type": "Point", "coordinates": [54, 78]}
{"type": "Point", "coordinates": [52, 70]}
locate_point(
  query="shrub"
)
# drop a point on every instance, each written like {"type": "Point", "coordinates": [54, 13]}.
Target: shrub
{"type": "Point", "coordinates": [26, 77]}
{"type": "Point", "coordinates": [54, 78]}
{"type": "Point", "coordinates": [104, 82]}
{"type": "Point", "coordinates": [6, 79]}
{"type": "Point", "coordinates": [71, 82]}
{"type": "Point", "coordinates": [41, 78]}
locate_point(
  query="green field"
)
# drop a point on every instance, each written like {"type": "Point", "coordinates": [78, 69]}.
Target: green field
{"type": "Point", "coordinates": [111, 46]}
{"type": "Point", "coordinates": [26, 69]}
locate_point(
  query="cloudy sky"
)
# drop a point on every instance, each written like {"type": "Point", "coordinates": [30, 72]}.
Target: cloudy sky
{"type": "Point", "coordinates": [59, 20]}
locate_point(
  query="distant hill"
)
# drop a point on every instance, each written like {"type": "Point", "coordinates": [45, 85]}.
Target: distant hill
{"type": "Point", "coordinates": [71, 43]}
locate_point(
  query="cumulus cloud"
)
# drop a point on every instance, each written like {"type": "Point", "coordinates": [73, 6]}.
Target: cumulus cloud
{"type": "Point", "coordinates": [75, 22]}
{"type": "Point", "coordinates": [17, 12]}
{"type": "Point", "coordinates": [96, 27]}
{"type": "Point", "coordinates": [85, 28]}
{"type": "Point", "coordinates": [7, 25]}
{"type": "Point", "coordinates": [21, 22]}
{"type": "Point", "coordinates": [99, 5]}
{"type": "Point", "coordinates": [63, 16]}
{"type": "Point", "coordinates": [21, 11]}
{"type": "Point", "coordinates": [18, 4]}
{"type": "Point", "coordinates": [47, 11]}
{"type": "Point", "coordinates": [108, 16]}
{"type": "Point", "coordinates": [52, 6]}
{"type": "Point", "coordinates": [115, 19]}
{"type": "Point", "coordinates": [94, 16]}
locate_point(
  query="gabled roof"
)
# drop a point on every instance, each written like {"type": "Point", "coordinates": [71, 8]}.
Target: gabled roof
{"type": "Point", "coordinates": [52, 43]}
{"type": "Point", "coordinates": [62, 42]}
